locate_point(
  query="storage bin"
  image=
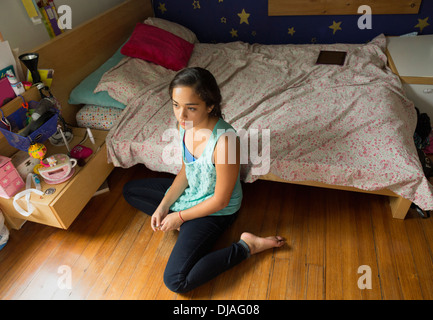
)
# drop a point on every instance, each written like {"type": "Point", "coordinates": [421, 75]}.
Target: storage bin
{"type": "Point", "coordinates": [18, 121]}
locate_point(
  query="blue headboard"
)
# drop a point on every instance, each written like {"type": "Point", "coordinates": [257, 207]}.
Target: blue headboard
{"type": "Point", "coordinates": [248, 21]}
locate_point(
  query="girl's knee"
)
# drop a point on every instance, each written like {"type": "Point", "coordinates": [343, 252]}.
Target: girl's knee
{"type": "Point", "coordinates": [132, 189]}
{"type": "Point", "coordinates": [174, 282]}
{"type": "Point", "coordinates": [126, 191]}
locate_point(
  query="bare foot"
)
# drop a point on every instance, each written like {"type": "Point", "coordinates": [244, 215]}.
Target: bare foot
{"type": "Point", "coordinates": [259, 244]}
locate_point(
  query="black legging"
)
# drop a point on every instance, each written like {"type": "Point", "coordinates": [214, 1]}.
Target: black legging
{"type": "Point", "coordinates": [191, 262]}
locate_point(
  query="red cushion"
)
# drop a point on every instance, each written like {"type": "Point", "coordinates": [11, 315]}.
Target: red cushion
{"type": "Point", "coordinates": [158, 46]}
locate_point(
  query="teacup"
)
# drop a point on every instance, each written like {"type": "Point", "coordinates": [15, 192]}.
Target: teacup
{"type": "Point", "coordinates": [58, 169]}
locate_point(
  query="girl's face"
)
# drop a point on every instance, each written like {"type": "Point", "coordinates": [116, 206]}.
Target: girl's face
{"type": "Point", "coordinates": [190, 110]}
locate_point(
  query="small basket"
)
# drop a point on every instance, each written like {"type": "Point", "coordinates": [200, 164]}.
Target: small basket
{"type": "Point", "coordinates": [17, 121]}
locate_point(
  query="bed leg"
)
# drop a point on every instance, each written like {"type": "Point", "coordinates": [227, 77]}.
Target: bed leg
{"type": "Point", "coordinates": [399, 207]}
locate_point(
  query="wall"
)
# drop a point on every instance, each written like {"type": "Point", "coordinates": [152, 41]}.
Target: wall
{"type": "Point", "coordinates": [17, 28]}
{"type": "Point", "coordinates": [247, 20]}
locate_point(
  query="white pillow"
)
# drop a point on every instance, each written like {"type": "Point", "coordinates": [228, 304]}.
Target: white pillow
{"type": "Point", "coordinates": [173, 27]}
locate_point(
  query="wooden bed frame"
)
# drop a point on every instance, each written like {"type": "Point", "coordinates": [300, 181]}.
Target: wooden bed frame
{"type": "Point", "coordinates": [78, 52]}
{"type": "Point", "coordinates": [340, 7]}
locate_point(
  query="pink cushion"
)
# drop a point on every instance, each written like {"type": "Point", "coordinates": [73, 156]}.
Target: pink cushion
{"type": "Point", "coordinates": [158, 46]}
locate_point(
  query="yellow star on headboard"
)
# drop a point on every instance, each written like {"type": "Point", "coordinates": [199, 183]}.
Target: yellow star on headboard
{"type": "Point", "coordinates": [422, 23]}
{"type": "Point", "coordinates": [291, 31]}
{"type": "Point", "coordinates": [244, 17]}
{"type": "Point", "coordinates": [234, 33]}
{"type": "Point", "coordinates": [196, 4]}
{"type": "Point", "coordinates": [162, 7]}
{"type": "Point", "coordinates": [335, 26]}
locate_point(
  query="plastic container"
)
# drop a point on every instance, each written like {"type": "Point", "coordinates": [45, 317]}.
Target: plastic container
{"type": "Point", "coordinates": [4, 232]}
{"type": "Point", "coordinates": [16, 85]}
{"type": "Point", "coordinates": [18, 120]}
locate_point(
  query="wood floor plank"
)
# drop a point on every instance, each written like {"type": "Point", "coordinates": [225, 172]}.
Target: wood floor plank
{"type": "Point", "coordinates": [315, 230]}
{"type": "Point", "coordinates": [278, 279]}
{"type": "Point", "coordinates": [389, 281]}
{"type": "Point", "coordinates": [263, 266]}
{"type": "Point", "coordinates": [154, 280]}
{"type": "Point", "coordinates": [408, 276]}
{"type": "Point", "coordinates": [334, 256]}
{"type": "Point", "coordinates": [427, 227]}
{"type": "Point", "coordinates": [129, 263]}
{"type": "Point", "coordinates": [315, 288]}
{"type": "Point", "coordinates": [314, 238]}
{"type": "Point", "coordinates": [298, 248]}
{"type": "Point", "coordinates": [366, 247]}
{"type": "Point", "coordinates": [421, 255]}
{"type": "Point", "coordinates": [349, 246]}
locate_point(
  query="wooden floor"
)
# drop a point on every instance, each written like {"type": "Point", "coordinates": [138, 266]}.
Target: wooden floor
{"type": "Point", "coordinates": [110, 251]}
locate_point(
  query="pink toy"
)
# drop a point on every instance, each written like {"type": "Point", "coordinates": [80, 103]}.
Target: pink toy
{"type": "Point", "coordinates": [80, 152]}
{"type": "Point", "coordinates": [10, 181]}
{"type": "Point", "coordinates": [61, 171]}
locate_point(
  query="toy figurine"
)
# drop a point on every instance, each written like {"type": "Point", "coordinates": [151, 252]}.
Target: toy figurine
{"type": "Point", "coordinates": [38, 151]}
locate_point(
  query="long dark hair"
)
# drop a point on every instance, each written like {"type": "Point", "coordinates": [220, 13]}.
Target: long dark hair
{"type": "Point", "coordinates": [204, 84]}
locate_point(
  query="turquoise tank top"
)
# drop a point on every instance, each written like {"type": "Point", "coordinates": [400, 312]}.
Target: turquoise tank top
{"type": "Point", "coordinates": [201, 175]}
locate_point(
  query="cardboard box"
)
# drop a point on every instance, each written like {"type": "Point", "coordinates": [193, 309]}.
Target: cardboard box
{"type": "Point", "coordinates": [24, 163]}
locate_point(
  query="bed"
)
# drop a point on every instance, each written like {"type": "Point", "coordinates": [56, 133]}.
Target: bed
{"type": "Point", "coordinates": [346, 127]}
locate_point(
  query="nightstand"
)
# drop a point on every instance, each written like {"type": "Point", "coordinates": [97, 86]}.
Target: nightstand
{"type": "Point", "coordinates": [60, 208]}
{"type": "Point", "coordinates": [412, 59]}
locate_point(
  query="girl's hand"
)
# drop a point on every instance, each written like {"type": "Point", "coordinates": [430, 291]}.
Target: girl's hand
{"type": "Point", "coordinates": [171, 222]}
{"type": "Point", "coordinates": [157, 218]}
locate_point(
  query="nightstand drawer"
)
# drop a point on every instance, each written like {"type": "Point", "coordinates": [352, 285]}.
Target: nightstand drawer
{"type": "Point", "coordinates": [80, 190]}
{"type": "Point", "coordinates": [8, 167]}
{"type": "Point", "coordinates": [8, 180]}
